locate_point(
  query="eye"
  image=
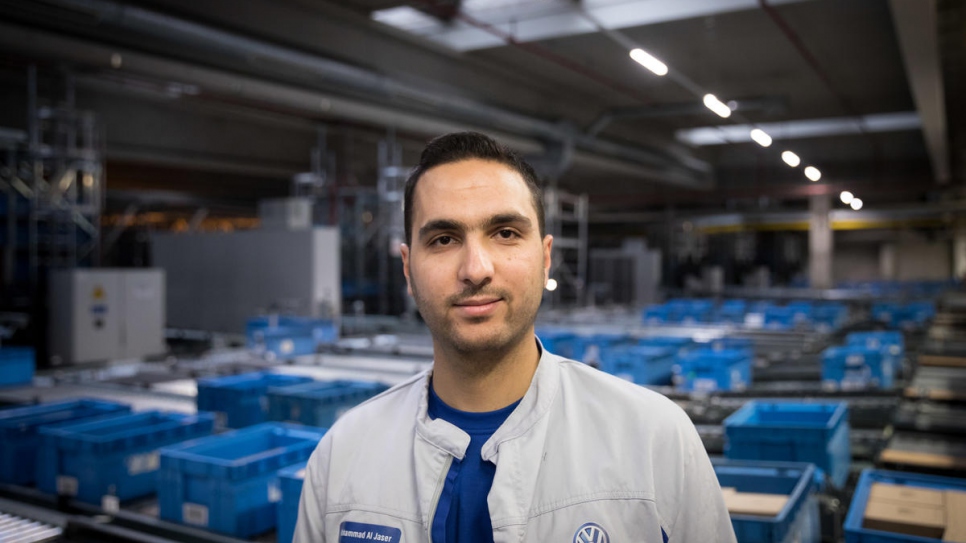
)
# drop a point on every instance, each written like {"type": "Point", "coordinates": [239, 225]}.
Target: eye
{"type": "Point", "coordinates": [442, 240]}
{"type": "Point", "coordinates": [506, 233]}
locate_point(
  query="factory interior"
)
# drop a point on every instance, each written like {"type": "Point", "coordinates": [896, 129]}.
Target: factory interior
{"type": "Point", "coordinates": [758, 210]}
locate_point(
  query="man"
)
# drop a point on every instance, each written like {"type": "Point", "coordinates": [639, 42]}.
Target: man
{"type": "Point", "coordinates": [502, 441]}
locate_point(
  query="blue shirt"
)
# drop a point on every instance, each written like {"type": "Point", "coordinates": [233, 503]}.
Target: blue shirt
{"type": "Point", "coordinates": [462, 515]}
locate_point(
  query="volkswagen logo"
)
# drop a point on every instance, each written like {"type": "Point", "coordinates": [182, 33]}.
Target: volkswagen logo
{"type": "Point", "coordinates": [591, 533]}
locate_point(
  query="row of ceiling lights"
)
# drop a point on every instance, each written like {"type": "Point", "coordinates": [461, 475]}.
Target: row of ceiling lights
{"type": "Point", "coordinates": [759, 136]}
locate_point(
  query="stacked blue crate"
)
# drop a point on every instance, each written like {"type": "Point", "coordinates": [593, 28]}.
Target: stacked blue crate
{"type": "Point", "coordinates": [641, 365]}
{"type": "Point", "coordinates": [656, 314]}
{"type": "Point", "coordinates": [558, 342]}
{"type": "Point", "coordinates": [592, 349]}
{"type": "Point", "coordinates": [731, 312]}
{"type": "Point", "coordinates": [229, 483]}
{"type": "Point", "coordinates": [690, 311]}
{"type": "Point", "coordinates": [20, 432]}
{"type": "Point", "coordinates": [799, 519]}
{"type": "Point", "coordinates": [239, 400]}
{"type": "Point", "coordinates": [855, 532]}
{"type": "Point", "coordinates": [287, 336]}
{"type": "Point", "coordinates": [16, 366]}
{"type": "Point", "coordinates": [678, 343]}
{"type": "Point", "coordinates": [117, 456]}
{"type": "Point", "coordinates": [708, 370]}
{"type": "Point", "coordinates": [319, 403]}
{"type": "Point", "coordinates": [290, 482]}
{"type": "Point", "coordinates": [910, 315]}
{"type": "Point", "coordinates": [780, 317]}
{"type": "Point", "coordinates": [830, 316]}
{"type": "Point", "coordinates": [792, 431]}
{"type": "Point", "coordinates": [857, 367]}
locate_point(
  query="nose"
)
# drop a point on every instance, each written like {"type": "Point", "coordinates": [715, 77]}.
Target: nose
{"type": "Point", "coordinates": [476, 267]}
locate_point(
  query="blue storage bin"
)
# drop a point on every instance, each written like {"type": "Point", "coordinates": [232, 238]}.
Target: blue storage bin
{"type": "Point", "coordinates": [591, 349]}
{"type": "Point", "coordinates": [878, 340]}
{"type": "Point", "coordinates": [708, 370]}
{"type": "Point", "coordinates": [287, 336]}
{"type": "Point", "coordinates": [239, 400]}
{"type": "Point", "coordinates": [792, 431]}
{"type": "Point", "coordinates": [229, 483]}
{"type": "Point", "coordinates": [319, 403]}
{"type": "Point", "coordinates": [657, 314]}
{"type": "Point", "coordinates": [780, 318]}
{"type": "Point", "coordinates": [855, 533]}
{"type": "Point", "coordinates": [20, 437]}
{"type": "Point", "coordinates": [558, 342]}
{"type": "Point", "coordinates": [676, 343]}
{"type": "Point", "coordinates": [830, 315]}
{"type": "Point", "coordinates": [116, 456]}
{"type": "Point", "coordinates": [856, 367]}
{"type": "Point", "coordinates": [290, 482]}
{"type": "Point", "coordinates": [799, 520]}
{"type": "Point", "coordinates": [641, 365]}
{"type": "Point", "coordinates": [16, 366]}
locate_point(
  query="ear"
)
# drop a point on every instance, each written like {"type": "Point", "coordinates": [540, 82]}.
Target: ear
{"type": "Point", "coordinates": [547, 252]}
{"type": "Point", "coordinates": [404, 253]}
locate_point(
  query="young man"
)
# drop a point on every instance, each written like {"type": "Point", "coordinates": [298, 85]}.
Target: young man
{"type": "Point", "coordinates": [502, 441]}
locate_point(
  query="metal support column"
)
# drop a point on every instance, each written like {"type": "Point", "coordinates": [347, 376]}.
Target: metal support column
{"type": "Point", "coordinates": [820, 242]}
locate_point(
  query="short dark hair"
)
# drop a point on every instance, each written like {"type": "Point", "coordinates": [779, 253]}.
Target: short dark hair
{"type": "Point", "coordinates": [459, 146]}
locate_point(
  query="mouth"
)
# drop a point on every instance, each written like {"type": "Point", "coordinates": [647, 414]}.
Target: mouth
{"type": "Point", "coordinates": [478, 307]}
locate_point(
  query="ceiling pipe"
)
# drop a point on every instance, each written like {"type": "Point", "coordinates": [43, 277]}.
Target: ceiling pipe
{"type": "Point", "coordinates": [229, 87]}
{"type": "Point", "coordinates": [258, 53]}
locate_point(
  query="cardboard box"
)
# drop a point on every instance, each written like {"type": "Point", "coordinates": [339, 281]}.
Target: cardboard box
{"type": "Point", "coordinates": [750, 503]}
{"type": "Point", "coordinates": [903, 494]}
{"type": "Point", "coordinates": [955, 517]}
{"type": "Point", "coordinates": [944, 461]}
{"type": "Point", "coordinates": [905, 519]}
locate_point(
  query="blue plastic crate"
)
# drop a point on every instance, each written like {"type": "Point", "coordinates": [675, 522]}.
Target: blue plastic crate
{"type": "Point", "coordinates": [20, 438]}
{"type": "Point", "coordinates": [116, 456]}
{"type": "Point", "coordinates": [792, 431]}
{"type": "Point", "coordinates": [240, 400]}
{"type": "Point", "coordinates": [591, 349]}
{"type": "Point", "coordinates": [676, 343]}
{"type": "Point", "coordinates": [656, 314]}
{"type": "Point", "coordinates": [229, 483]}
{"type": "Point", "coordinates": [707, 370]}
{"type": "Point", "coordinates": [855, 533]}
{"type": "Point", "coordinates": [319, 403]}
{"type": "Point", "coordinates": [641, 365]}
{"type": "Point", "coordinates": [558, 342]}
{"type": "Point", "coordinates": [290, 482]}
{"type": "Point", "coordinates": [287, 336]}
{"type": "Point", "coordinates": [780, 318]}
{"type": "Point", "coordinates": [878, 340]}
{"type": "Point", "coordinates": [798, 521]}
{"type": "Point", "coordinates": [856, 367]}
{"type": "Point", "coordinates": [16, 366]}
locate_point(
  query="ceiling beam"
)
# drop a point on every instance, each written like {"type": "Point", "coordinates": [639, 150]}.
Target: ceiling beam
{"type": "Point", "coordinates": [805, 128]}
{"type": "Point", "coordinates": [916, 26]}
{"type": "Point", "coordinates": [533, 20]}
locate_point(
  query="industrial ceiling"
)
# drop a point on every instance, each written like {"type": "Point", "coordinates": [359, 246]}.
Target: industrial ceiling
{"type": "Point", "coordinates": [209, 102]}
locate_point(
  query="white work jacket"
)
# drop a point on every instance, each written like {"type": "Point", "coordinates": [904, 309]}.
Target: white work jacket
{"type": "Point", "coordinates": [584, 458]}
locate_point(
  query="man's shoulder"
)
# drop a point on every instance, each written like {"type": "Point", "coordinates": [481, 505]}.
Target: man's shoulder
{"type": "Point", "coordinates": [610, 391]}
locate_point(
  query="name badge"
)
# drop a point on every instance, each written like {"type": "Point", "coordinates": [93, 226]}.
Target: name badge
{"type": "Point", "coordinates": [358, 532]}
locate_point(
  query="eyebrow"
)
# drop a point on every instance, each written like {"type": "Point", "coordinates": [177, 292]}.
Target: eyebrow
{"type": "Point", "coordinates": [500, 219]}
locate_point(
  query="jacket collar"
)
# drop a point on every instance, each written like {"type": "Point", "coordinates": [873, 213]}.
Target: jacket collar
{"type": "Point", "coordinates": [534, 406]}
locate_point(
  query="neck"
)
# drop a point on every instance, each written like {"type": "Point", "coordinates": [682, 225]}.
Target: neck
{"type": "Point", "coordinates": [484, 381]}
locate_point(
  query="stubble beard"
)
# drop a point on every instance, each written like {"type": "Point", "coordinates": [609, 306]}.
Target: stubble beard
{"type": "Point", "coordinates": [482, 353]}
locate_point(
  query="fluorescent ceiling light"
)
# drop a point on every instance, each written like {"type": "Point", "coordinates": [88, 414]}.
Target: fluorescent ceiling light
{"type": "Point", "coordinates": [791, 159]}
{"type": "Point", "coordinates": [802, 128]}
{"type": "Point", "coordinates": [761, 137]}
{"type": "Point", "coordinates": [645, 59]}
{"type": "Point", "coordinates": [711, 102]}
{"type": "Point", "coordinates": [551, 285]}
{"type": "Point", "coordinates": [812, 173]}
{"type": "Point", "coordinates": [846, 197]}
{"type": "Point", "coordinates": [856, 204]}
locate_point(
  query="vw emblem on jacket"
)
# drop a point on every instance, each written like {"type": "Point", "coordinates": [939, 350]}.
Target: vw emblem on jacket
{"type": "Point", "coordinates": [591, 533]}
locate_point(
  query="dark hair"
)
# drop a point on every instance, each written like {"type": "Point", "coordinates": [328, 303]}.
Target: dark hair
{"type": "Point", "coordinates": [458, 146]}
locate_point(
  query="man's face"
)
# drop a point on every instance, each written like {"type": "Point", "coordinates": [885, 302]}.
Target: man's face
{"type": "Point", "coordinates": [477, 265]}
